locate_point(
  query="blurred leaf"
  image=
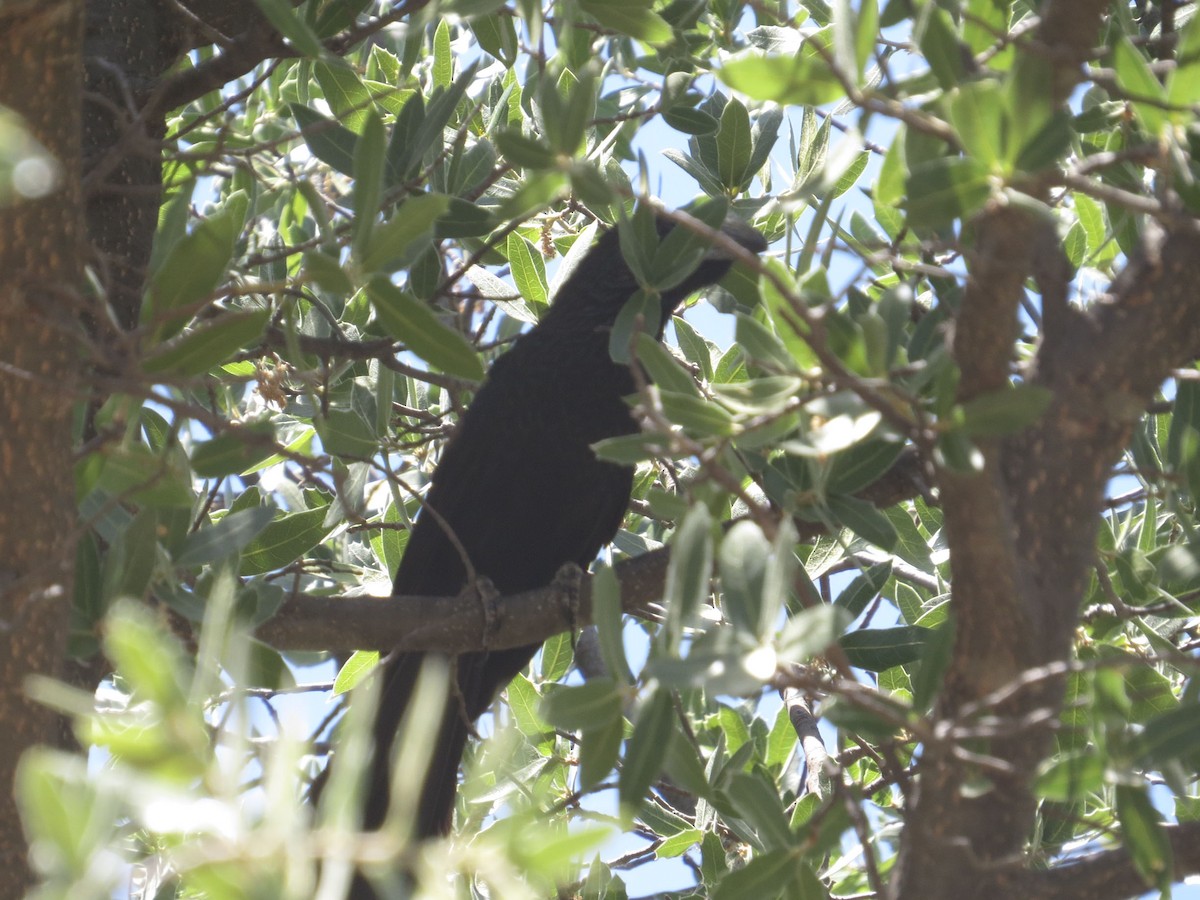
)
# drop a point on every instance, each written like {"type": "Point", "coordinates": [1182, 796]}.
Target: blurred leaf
{"type": "Point", "coordinates": [757, 802]}
{"type": "Point", "coordinates": [1005, 411]}
{"type": "Point", "coordinates": [281, 15]}
{"type": "Point", "coordinates": [942, 190]}
{"type": "Point", "coordinates": [587, 706]}
{"type": "Point", "coordinates": [414, 220]}
{"type": "Point", "coordinates": [227, 536]}
{"type": "Point", "coordinates": [1143, 835]}
{"type": "Point", "coordinates": [1135, 77]}
{"type": "Point", "coordinates": [208, 345]}
{"type": "Point", "coordinates": [599, 749]}
{"type": "Point", "coordinates": [635, 18]}
{"type": "Point", "coordinates": [688, 573]}
{"type": "Point", "coordinates": [194, 266]}
{"type": "Point", "coordinates": [802, 79]}
{"type": "Point", "coordinates": [647, 748]}
{"type": "Point", "coordinates": [235, 451]}
{"type": "Point", "coordinates": [606, 611]}
{"type": "Point", "coordinates": [940, 47]}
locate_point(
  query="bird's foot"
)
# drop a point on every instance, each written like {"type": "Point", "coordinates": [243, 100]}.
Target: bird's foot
{"type": "Point", "coordinates": [489, 605]}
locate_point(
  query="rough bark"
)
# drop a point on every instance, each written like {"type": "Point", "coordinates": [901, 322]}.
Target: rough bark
{"type": "Point", "coordinates": [1021, 531]}
{"type": "Point", "coordinates": [40, 79]}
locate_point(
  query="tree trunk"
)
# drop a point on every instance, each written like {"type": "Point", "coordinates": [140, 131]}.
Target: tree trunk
{"type": "Point", "coordinates": [40, 80]}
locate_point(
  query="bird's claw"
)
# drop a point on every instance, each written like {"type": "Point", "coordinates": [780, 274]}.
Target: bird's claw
{"type": "Point", "coordinates": [488, 597]}
{"type": "Point", "coordinates": [566, 583]}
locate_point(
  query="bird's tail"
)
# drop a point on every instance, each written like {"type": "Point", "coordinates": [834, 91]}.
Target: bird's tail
{"type": "Point", "coordinates": [435, 809]}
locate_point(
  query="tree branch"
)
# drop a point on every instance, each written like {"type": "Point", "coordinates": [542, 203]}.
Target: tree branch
{"type": "Point", "coordinates": [456, 624]}
{"type": "Point", "coordinates": [1110, 874]}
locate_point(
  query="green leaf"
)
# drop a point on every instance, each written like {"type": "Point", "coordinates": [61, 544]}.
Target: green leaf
{"type": "Point", "coordinates": [864, 588]}
{"type": "Point", "coordinates": [607, 612]}
{"type": "Point", "coordinates": [1143, 835]}
{"type": "Point", "coordinates": [812, 631]}
{"type": "Point", "coordinates": [688, 573]}
{"type": "Point", "coordinates": [463, 219]}
{"type": "Point", "coordinates": [236, 450]}
{"type": "Point", "coordinates": [977, 112]}
{"type": "Point", "coordinates": [134, 472]}
{"type": "Point", "coordinates": [757, 802]}
{"type": "Point", "coordinates": [697, 414]}
{"type": "Point", "coordinates": [1136, 78]}
{"type": "Point", "coordinates": [942, 190]}
{"type": "Point", "coordinates": [1174, 735]}
{"type": "Point", "coordinates": [760, 344]}
{"type": "Point", "coordinates": [864, 520]}
{"type": "Point", "coordinates": [528, 269]}
{"type": "Point", "coordinates": [635, 18]}
{"type": "Point", "coordinates": [329, 142]}
{"type": "Point", "coordinates": [195, 265]}
{"type": "Point", "coordinates": [1072, 777]}
{"type": "Point", "coordinates": [678, 254]}
{"type": "Point", "coordinates": [861, 465]}
{"type": "Point", "coordinates": [1183, 82]}
{"type": "Point", "coordinates": [639, 315]}
{"type": "Point", "coordinates": [647, 749]}
{"type": "Point", "coordinates": [1047, 146]}
{"type": "Point", "coordinates": [415, 219]}
{"type": "Point", "coordinates": [689, 120]}
{"type": "Point", "coordinates": [284, 541]}
{"type": "Point", "coordinates": [801, 79]}
{"type": "Point", "coordinates": [208, 345]}
{"type": "Point", "coordinates": [734, 146]}
{"type": "Point", "coordinates": [662, 367]}
{"type": "Point", "coordinates": [743, 562]}
{"type": "Point", "coordinates": [598, 751]}
{"type": "Point", "coordinates": [283, 17]}
{"type": "Point", "coordinates": [360, 664]}
{"type": "Point", "coordinates": [368, 179]}
{"type": "Point", "coordinates": [443, 57]}
{"type": "Point", "coordinates": [941, 49]}
{"type": "Point", "coordinates": [348, 433]}
{"type": "Point", "coordinates": [587, 706]}
{"type": "Point", "coordinates": [524, 151]}
{"type": "Point", "coordinates": [344, 91]}
{"type": "Point", "coordinates": [576, 97]}
{"type": "Point", "coordinates": [409, 320]}
{"type": "Point", "coordinates": [678, 844]}
{"type": "Point", "coordinates": [557, 655]}
{"type": "Point", "coordinates": [497, 35]}
{"type": "Point", "coordinates": [523, 700]}
{"type": "Point", "coordinates": [764, 876]}
{"type": "Point", "coordinates": [877, 649]}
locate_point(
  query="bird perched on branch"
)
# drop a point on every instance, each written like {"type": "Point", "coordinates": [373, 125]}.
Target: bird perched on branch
{"type": "Point", "coordinates": [520, 491]}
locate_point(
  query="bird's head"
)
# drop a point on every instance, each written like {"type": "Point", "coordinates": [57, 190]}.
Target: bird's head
{"type": "Point", "coordinates": [668, 256]}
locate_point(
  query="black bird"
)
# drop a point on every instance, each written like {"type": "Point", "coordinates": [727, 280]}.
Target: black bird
{"type": "Point", "coordinates": [524, 493]}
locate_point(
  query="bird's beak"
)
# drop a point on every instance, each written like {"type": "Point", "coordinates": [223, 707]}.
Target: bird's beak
{"type": "Point", "coordinates": [741, 233]}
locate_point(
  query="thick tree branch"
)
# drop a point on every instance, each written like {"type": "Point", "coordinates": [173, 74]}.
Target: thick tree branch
{"type": "Point", "coordinates": [456, 624]}
{"type": "Point", "coordinates": [1110, 874]}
